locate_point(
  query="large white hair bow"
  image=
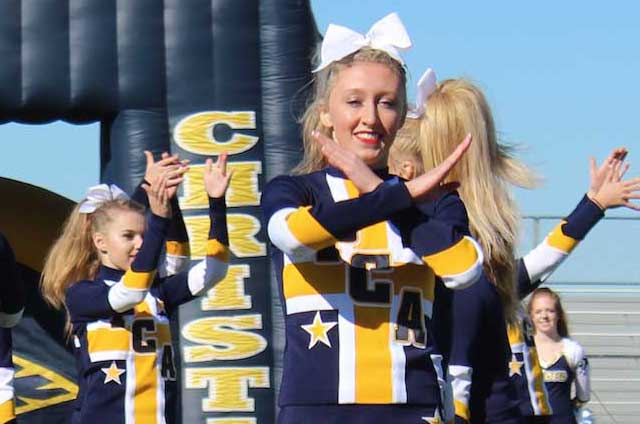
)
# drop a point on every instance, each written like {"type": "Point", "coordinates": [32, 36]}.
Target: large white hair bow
{"type": "Point", "coordinates": [99, 194]}
{"type": "Point", "coordinates": [426, 86]}
{"type": "Point", "coordinates": [388, 35]}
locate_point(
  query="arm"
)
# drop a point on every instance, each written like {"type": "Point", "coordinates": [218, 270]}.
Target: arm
{"type": "Point", "coordinates": [12, 295]}
{"type": "Point", "coordinates": [580, 365]}
{"type": "Point", "coordinates": [176, 256]}
{"type": "Point", "coordinates": [94, 300]}
{"type": "Point", "coordinates": [537, 265]}
{"type": "Point", "coordinates": [443, 243]}
{"type": "Point", "coordinates": [183, 287]}
{"type": "Point", "coordinates": [299, 228]}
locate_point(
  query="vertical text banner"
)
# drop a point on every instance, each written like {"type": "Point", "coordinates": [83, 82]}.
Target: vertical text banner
{"type": "Point", "coordinates": [225, 336]}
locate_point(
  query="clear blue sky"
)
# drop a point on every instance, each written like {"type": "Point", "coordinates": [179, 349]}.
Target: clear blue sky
{"type": "Point", "coordinates": [562, 78]}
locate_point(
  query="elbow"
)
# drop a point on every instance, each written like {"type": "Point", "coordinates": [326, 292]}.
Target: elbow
{"type": "Point", "coordinates": [122, 299]}
{"type": "Point", "coordinates": [471, 272]}
{"type": "Point", "coordinates": [284, 240]}
{"type": "Point", "coordinates": [206, 274]}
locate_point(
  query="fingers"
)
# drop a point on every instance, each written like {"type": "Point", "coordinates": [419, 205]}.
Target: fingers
{"type": "Point", "coordinates": [592, 167]}
{"type": "Point", "coordinates": [221, 163]}
{"type": "Point", "coordinates": [624, 170]}
{"type": "Point", "coordinates": [149, 158]}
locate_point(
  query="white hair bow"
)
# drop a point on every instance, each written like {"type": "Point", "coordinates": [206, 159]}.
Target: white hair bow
{"type": "Point", "coordinates": [99, 194]}
{"type": "Point", "coordinates": [426, 86]}
{"type": "Point", "coordinates": [388, 35]}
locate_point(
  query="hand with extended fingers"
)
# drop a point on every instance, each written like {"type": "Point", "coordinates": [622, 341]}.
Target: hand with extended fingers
{"type": "Point", "coordinates": [365, 180]}
{"type": "Point", "coordinates": [171, 165]}
{"type": "Point", "coordinates": [217, 176]}
{"type": "Point", "coordinates": [158, 194]}
{"type": "Point", "coordinates": [607, 188]}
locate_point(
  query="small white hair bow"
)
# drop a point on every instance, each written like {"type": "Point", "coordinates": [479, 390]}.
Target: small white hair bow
{"type": "Point", "coordinates": [426, 86]}
{"type": "Point", "coordinates": [388, 35]}
{"type": "Point", "coordinates": [99, 194]}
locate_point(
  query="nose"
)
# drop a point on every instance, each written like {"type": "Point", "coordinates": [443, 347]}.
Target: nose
{"type": "Point", "coordinates": [138, 242]}
{"type": "Point", "coordinates": [369, 114]}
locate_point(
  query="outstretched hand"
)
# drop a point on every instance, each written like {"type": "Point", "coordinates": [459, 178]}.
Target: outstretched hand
{"type": "Point", "coordinates": [217, 176]}
{"type": "Point", "coordinates": [607, 188]}
{"type": "Point", "coordinates": [171, 165]}
{"type": "Point", "coordinates": [158, 195]}
{"type": "Point", "coordinates": [348, 162]}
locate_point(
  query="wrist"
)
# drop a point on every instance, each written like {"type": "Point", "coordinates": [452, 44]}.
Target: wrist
{"type": "Point", "coordinates": [594, 198]}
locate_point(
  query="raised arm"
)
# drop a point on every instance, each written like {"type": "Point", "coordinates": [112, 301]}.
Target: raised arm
{"type": "Point", "coordinates": [607, 190]}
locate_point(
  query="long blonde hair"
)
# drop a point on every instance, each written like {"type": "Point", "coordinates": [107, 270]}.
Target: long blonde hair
{"type": "Point", "coordinates": [456, 108]}
{"type": "Point", "coordinates": [325, 80]}
{"type": "Point", "coordinates": [73, 257]}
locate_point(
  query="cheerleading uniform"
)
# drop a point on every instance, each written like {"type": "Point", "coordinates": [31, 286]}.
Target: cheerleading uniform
{"type": "Point", "coordinates": [357, 276]}
{"type": "Point", "coordinates": [120, 328]}
{"type": "Point", "coordinates": [570, 367]}
{"type": "Point", "coordinates": [533, 269]}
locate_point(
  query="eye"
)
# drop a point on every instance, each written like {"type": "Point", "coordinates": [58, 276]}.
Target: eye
{"type": "Point", "coordinates": [388, 103]}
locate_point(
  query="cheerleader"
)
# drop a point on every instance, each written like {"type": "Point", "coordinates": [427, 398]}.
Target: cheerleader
{"type": "Point", "coordinates": [563, 360]}
{"type": "Point", "coordinates": [102, 270]}
{"type": "Point", "coordinates": [355, 259]}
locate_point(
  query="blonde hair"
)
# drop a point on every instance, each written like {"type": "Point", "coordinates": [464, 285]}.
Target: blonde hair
{"type": "Point", "coordinates": [325, 80]}
{"type": "Point", "coordinates": [73, 257]}
{"type": "Point", "coordinates": [562, 326]}
{"type": "Point", "coordinates": [456, 108]}
{"type": "Point", "coordinates": [407, 146]}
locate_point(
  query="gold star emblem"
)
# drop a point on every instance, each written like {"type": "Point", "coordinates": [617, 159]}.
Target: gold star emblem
{"type": "Point", "coordinates": [436, 419]}
{"type": "Point", "coordinates": [515, 367]}
{"type": "Point", "coordinates": [318, 330]}
{"type": "Point", "coordinates": [112, 373]}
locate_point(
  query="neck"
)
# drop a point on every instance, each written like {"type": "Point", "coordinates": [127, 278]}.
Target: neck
{"type": "Point", "coordinates": [550, 337]}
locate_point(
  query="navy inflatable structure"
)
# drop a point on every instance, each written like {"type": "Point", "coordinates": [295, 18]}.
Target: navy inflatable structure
{"type": "Point", "coordinates": [196, 77]}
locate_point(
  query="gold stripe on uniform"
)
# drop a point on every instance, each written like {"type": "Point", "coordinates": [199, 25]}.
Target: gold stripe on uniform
{"type": "Point", "coordinates": [177, 248]}
{"type": "Point", "coordinates": [515, 334]}
{"type": "Point", "coordinates": [108, 339]}
{"type": "Point", "coordinates": [373, 356]}
{"type": "Point", "coordinates": [308, 231]}
{"type": "Point", "coordinates": [559, 240]}
{"type": "Point", "coordinates": [412, 276]}
{"type": "Point", "coordinates": [145, 395]}
{"type": "Point", "coordinates": [306, 278]}
{"type": "Point", "coordinates": [462, 410]}
{"type": "Point", "coordinates": [538, 382]}
{"type": "Point", "coordinates": [138, 280]}
{"type": "Point", "coordinates": [218, 250]}
{"type": "Point", "coordinates": [455, 260]}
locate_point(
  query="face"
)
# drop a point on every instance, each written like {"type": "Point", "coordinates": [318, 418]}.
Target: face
{"type": "Point", "coordinates": [120, 241]}
{"type": "Point", "coordinates": [544, 314]}
{"type": "Point", "coordinates": [364, 110]}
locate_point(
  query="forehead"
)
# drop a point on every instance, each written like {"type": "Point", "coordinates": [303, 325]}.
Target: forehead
{"type": "Point", "coordinates": [368, 77]}
{"type": "Point", "coordinates": [124, 219]}
{"type": "Point", "coordinates": [544, 300]}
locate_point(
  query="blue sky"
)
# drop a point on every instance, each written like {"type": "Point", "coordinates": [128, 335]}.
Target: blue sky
{"type": "Point", "coordinates": [562, 79]}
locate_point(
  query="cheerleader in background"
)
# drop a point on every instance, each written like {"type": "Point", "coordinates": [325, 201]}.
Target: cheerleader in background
{"type": "Point", "coordinates": [102, 270]}
{"type": "Point", "coordinates": [563, 360]}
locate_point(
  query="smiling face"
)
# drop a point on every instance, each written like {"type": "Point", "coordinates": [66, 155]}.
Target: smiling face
{"type": "Point", "coordinates": [364, 110]}
{"type": "Point", "coordinates": [544, 314]}
{"type": "Point", "coordinates": [120, 238]}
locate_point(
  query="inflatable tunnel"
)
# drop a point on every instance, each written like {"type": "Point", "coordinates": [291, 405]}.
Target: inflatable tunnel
{"type": "Point", "coordinates": [194, 77]}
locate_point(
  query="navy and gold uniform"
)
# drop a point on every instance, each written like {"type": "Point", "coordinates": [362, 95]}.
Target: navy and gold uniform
{"type": "Point", "coordinates": [571, 366]}
{"type": "Point", "coordinates": [12, 299]}
{"type": "Point", "coordinates": [533, 269]}
{"type": "Point", "coordinates": [121, 330]}
{"type": "Point", "coordinates": [358, 297]}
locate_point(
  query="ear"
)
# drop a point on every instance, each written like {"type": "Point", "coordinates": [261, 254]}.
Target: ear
{"type": "Point", "coordinates": [407, 170]}
{"type": "Point", "coordinates": [99, 242]}
{"type": "Point", "coordinates": [325, 117]}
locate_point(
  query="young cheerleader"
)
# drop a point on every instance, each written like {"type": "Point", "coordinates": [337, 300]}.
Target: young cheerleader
{"type": "Point", "coordinates": [350, 258]}
{"type": "Point", "coordinates": [12, 298]}
{"type": "Point", "coordinates": [479, 367]}
{"type": "Point", "coordinates": [562, 359]}
{"type": "Point", "coordinates": [102, 269]}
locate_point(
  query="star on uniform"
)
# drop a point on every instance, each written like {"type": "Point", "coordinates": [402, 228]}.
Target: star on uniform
{"type": "Point", "coordinates": [436, 419]}
{"type": "Point", "coordinates": [318, 330]}
{"type": "Point", "coordinates": [112, 373]}
{"type": "Point", "coordinates": [515, 367]}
